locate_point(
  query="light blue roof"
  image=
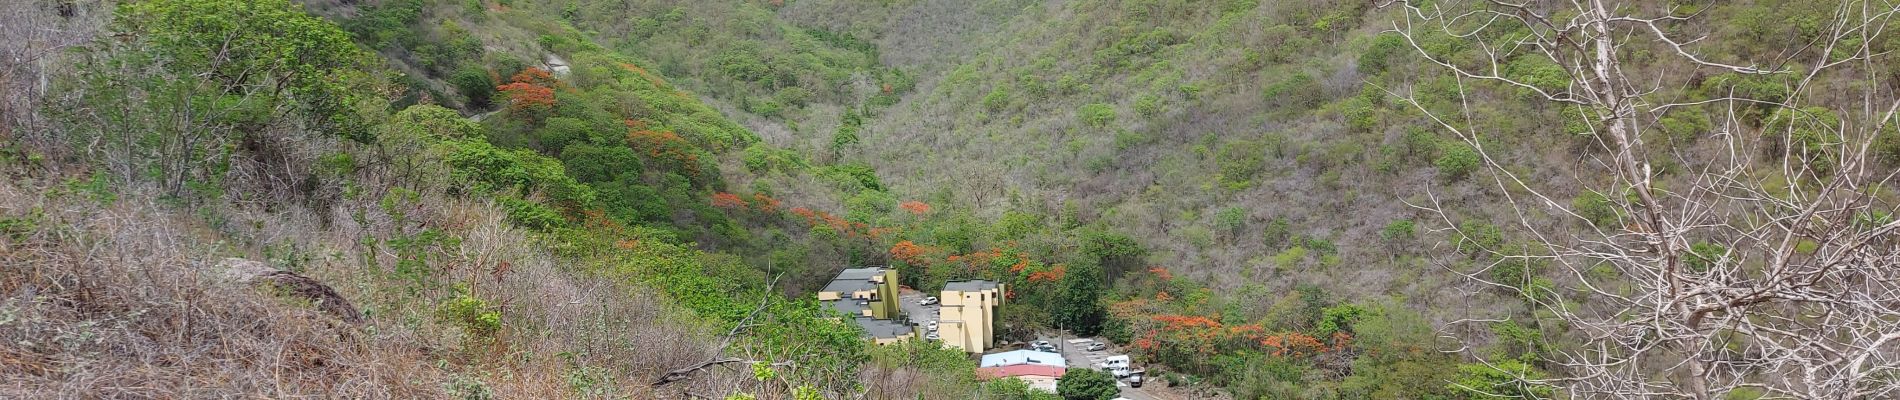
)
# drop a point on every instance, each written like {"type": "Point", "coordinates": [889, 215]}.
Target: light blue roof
{"type": "Point", "coordinates": [1009, 358]}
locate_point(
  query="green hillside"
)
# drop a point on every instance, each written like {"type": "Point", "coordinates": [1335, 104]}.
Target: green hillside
{"type": "Point", "coordinates": [1253, 198]}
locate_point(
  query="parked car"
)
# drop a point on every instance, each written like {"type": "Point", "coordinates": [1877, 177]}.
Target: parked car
{"type": "Point", "coordinates": [1041, 343]}
{"type": "Point", "coordinates": [931, 325]}
{"type": "Point", "coordinates": [1097, 346]}
{"type": "Point", "coordinates": [933, 336]}
{"type": "Point", "coordinates": [928, 300]}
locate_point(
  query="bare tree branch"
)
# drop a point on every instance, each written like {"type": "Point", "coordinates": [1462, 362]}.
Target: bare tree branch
{"type": "Point", "coordinates": [1768, 266]}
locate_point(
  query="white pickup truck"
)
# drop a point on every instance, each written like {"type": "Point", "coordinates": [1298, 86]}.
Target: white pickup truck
{"type": "Point", "coordinates": [1117, 365]}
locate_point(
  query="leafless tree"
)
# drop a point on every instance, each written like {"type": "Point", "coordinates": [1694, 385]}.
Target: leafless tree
{"type": "Point", "coordinates": [1768, 264]}
{"type": "Point", "coordinates": [31, 35]}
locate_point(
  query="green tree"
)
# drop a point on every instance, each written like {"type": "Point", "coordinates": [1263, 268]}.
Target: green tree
{"type": "Point", "coordinates": [212, 71]}
{"type": "Point", "coordinates": [475, 84]}
{"type": "Point", "coordinates": [1087, 384]}
{"type": "Point", "coordinates": [1079, 308]}
{"type": "Point", "coordinates": [1116, 253]}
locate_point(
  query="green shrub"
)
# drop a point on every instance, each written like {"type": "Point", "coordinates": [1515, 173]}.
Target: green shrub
{"type": "Point", "coordinates": [1378, 57]}
{"type": "Point", "coordinates": [1016, 225]}
{"type": "Point", "coordinates": [1339, 318]}
{"type": "Point", "coordinates": [743, 63]}
{"type": "Point", "coordinates": [1297, 92]}
{"type": "Point", "coordinates": [1809, 134]}
{"type": "Point", "coordinates": [1289, 258]}
{"type": "Point", "coordinates": [588, 163]}
{"type": "Point", "coordinates": [471, 314]}
{"type": "Point", "coordinates": [1148, 105]}
{"type": "Point", "coordinates": [1887, 147]}
{"type": "Point", "coordinates": [1765, 88]}
{"type": "Point", "coordinates": [1277, 232]}
{"type": "Point", "coordinates": [1456, 160]}
{"type": "Point", "coordinates": [792, 96]}
{"type": "Point", "coordinates": [1240, 162]}
{"type": "Point", "coordinates": [1705, 255]}
{"type": "Point", "coordinates": [1398, 230]}
{"type": "Point", "coordinates": [1096, 115]}
{"type": "Point", "coordinates": [1476, 236]}
{"type": "Point", "coordinates": [1231, 219]}
{"type": "Point", "coordinates": [559, 132]}
{"type": "Point", "coordinates": [1686, 125]}
{"type": "Point", "coordinates": [997, 99]}
{"type": "Point", "coordinates": [1360, 116]}
{"type": "Point", "coordinates": [852, 176]}
{"type": "Point", "coordinates": [1596, 209]}
{"type": "Point", "coordinates": [1500, 379]}
{"type": "Point", "coordinates": [1538, 72]}
{"type": "Point", "coordinates": [530, 214]}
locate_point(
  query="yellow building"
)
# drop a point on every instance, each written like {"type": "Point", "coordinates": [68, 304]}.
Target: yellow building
{"type": "Point", "coordinates": [968, 314]}
{"type": "Point", "coordinates": [868, 297]}
{"type": "Point", "coordinates": [872, 287]}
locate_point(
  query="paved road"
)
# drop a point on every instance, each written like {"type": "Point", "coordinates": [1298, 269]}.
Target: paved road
{"type": "Point", "coordinates": [1080, 358]}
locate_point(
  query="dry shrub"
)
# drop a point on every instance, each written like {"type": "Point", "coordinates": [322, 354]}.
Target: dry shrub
{"type": "Point", "coordinates": [117, 301]}
{"type": "Point", "coordinates": [122, 300]}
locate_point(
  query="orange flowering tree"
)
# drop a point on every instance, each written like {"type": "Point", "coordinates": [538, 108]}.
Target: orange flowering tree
{"type": "Point", "coordinates": [664, 148]}
{"type": "Point", "coordinates": [911, 253]}
{"type": "Point", "coordinates": [728, 201]}
{"type": "Point", "coordinates": [915, 207]}
{"type": "Point", "coordinates": [530, 93]}
{"type": "Point", "coordinates": [765, 204]}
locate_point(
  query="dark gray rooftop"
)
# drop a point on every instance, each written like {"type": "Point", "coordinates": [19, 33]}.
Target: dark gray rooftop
{"type": "Point", "coordinates": [969, 286]}
{"type": "Point", "coordinates": [854, 279]}
{"type": "Point", "coordinates": [847, 306]}
{"type": "Point", "coordinates": [851, 285]}
{"type": "Point", "coordinates": [859, 273]}
{"type": "Point", "coordinates": [879, 328]}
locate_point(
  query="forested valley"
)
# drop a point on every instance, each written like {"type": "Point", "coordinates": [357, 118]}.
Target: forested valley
{"type": "Point", "coordinates": [1253, 199]}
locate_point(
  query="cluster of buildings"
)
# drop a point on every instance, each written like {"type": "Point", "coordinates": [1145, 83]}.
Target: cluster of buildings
{"type": "Point", "coordinates": [966, 309]}
{"type": "Point", "coordinates": [964, 317]}
{"type": "Point", "coordinates": [869, 297]}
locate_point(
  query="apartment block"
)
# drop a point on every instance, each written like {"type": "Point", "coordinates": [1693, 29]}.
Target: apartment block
{"type": "Point", "coordinates": [968, 314]}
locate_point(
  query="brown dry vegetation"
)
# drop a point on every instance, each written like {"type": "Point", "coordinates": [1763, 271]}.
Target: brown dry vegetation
{"type": "Point", "coordinates": [118, 299]}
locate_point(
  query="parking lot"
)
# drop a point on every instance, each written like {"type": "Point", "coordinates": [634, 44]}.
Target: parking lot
{"type": "Point", "coordinates": [1079, 357]}
{"type": "Point", "coordinates": [918, 313]}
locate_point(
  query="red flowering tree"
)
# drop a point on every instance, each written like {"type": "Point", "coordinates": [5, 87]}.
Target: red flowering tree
{"type": "Point", "coordinates": [915, 207]}
{"type": "Point", "coordinates": [530, 93]}
{"type": "Point", "coordinates": [910, 252]}
{"type": "Point", "coordinates": [665, 148]}
{"type": "Point", "coordinates": [765, 204]}
{"type": "Point", "coordinates": [1054, 274]}
{"type": "Point", "coordinates": [728, 201]}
